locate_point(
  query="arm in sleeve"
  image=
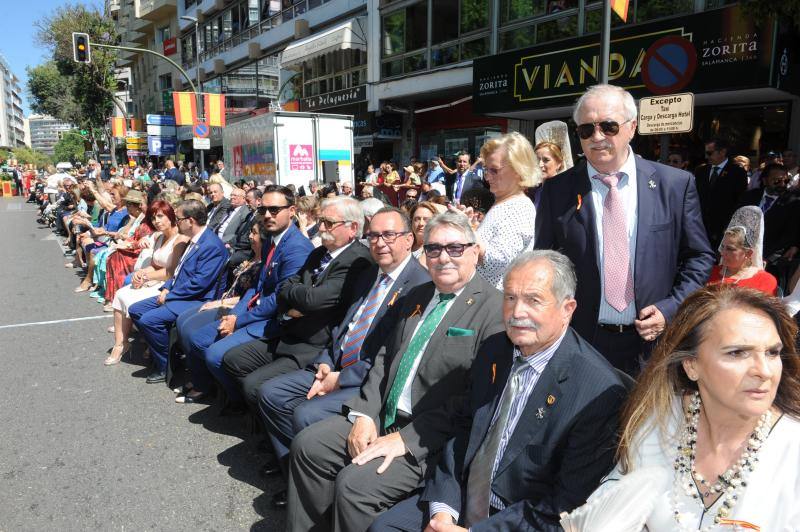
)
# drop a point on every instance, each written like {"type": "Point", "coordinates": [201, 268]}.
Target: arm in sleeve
{"type": "Point", "coordinates": [328, 293]}
{"type": "Point", "coordinates": [200, 277]}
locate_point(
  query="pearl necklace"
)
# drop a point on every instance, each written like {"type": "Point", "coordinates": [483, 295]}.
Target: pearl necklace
{"type": "Point", "coordinates": [729, 484]}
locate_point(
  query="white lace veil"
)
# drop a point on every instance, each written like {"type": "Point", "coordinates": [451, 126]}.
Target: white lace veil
{"type": "Point", "coordinates": [556, 132]}
{"type": "Point", "coordinates": [750, 220]}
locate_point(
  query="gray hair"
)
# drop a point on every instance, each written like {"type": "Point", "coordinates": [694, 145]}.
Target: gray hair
{"type": "Point", "coordinates": [606, 91]}
{"type": "Point", "coordinates": [371, 206]}
{"type": "Point", "coordinates": [454, 219]}
{"type": "Point", "coordinates": [348, 208]}
{"type": "Point", "coordinates": [564, 279]}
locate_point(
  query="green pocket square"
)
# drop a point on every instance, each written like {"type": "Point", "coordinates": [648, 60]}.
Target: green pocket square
{"type": "Point", "coordinates": [455, 331]}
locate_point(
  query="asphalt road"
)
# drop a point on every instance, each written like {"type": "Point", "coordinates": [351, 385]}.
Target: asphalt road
{"type": "Point", "coordinates": [88, 447]}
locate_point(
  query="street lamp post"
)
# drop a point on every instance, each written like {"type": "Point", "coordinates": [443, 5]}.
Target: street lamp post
{"type": "Point", "coordinates": [197, 74]}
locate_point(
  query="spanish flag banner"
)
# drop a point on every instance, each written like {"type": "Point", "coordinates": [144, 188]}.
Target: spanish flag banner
{"type": "Point", "coordinates": [215, 109]}
{"type": "Point", "coordinates": [620, 7]}
{"type": "Point", "coordinates": [185, 108]}
{"type": "Point", "coordinates": [118, 128]}
{"type": "Point", "coordinates": [136, 124]}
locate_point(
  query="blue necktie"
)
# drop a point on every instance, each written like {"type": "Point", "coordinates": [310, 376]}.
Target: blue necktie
{"type": "Point", "coordinates": [354, 339]}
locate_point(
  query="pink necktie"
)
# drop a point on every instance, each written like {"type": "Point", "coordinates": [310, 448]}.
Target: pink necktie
{"type": "Point", "coordinates": [617, 275]}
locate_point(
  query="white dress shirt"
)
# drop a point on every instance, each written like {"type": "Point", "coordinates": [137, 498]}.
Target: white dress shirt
{"type": "Point", "coordinates": [628, 193]}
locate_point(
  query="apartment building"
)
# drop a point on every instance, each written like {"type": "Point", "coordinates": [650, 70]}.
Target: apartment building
{"type": "Point", "coordinates": [12, 126]}
{"type": "Point", "coordinates": [44, 132]}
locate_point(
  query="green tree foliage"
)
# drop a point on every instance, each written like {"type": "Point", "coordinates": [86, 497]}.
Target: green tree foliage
{"type": "Point", "coordinates": [70, 148]}
{"type": "Point", "coordinates": [52, 93]}
{"type": "Point", "coordinates": [785, 11]}
{"type": "Point", "coordinates": [31, 156]}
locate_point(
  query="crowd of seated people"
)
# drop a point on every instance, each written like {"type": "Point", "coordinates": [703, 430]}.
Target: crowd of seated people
{"type": "Point", "coordinates": [436, 367]}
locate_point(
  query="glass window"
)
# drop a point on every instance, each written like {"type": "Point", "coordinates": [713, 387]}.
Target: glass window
{"type": "Point", "coordinates": [474, 15]}
{"type": "Point", "coordinates": [557, 29]}
{"type": "Point", "coordinates": [519, 38]}
{"type": "Point", "coordinates": [235, 20]}
{"type": "Point", "coordinates": [252, 13]}
{"type": "Point", "coordinates": [511, 10]}
{"type": "Point", "coordinates": [445, 28]}
{"type": "Point", "coordinates": [594, 20]}
{"type": "Point", "coordinates": [227, 26]}
{"type": "Point", "coordinates": [393, 33]}
{"type": "Point", "coordinates": [164, 33]}
{"type": "Point", "coordinates": [415, 62]}
{"type": "Point", "coordinates": [165, 82]}
{"type": "Point", "coordinates": [392, 68]}
{"type": "Point", "coordinates": [417, 26]}
{"type": "Point", "coordinates": [557, 6]}
{"type": "Point", "coordinates": [444, 55]}
{"type": "Point", "coordinates": [653, 9]}
{"type": "Point", "coordinates": [476, 48]}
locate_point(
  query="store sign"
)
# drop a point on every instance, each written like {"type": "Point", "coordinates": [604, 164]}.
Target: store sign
{"type": "Point", "coordinates": [666, 114]}
{"type": "Point", "coordinates": [170, 46]}
{"type": "Point", "coordinates": [719, 50]}
{"type": "Point", "coordinates": [334, 99]}
{"type": "Point", "coordinates": [301, 157]}
{"type": "Point", "coordinates": [162, 145]}
{"type": "Point", "coordinates": [160, 120]}
{"type": "Point", "coordinates": [388, 126]}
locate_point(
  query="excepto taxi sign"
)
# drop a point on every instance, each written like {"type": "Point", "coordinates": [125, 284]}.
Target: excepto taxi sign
{"type": "Point", "coordinates": [670, 113]}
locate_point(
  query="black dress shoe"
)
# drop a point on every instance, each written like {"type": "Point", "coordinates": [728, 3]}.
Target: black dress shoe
{"type": "Point", "coordinates": [156, 377]}
{"type": "Point", "coordinates": [279, 500]}
{"type": "Point", "coordinates": [272, 468]}
{"type": "Point", "coordinates": [265, 449]}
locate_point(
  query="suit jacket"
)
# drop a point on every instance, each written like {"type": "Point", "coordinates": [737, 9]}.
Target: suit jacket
{"type": "Point", "coordinates": [718, 200]}
{"type": "Point", "coordinates": [290, 255]}
{"type": "Point", "coordinates": [232, 228]}
{"type": "Point", "coordinates": [215, 217]}
{"type": "Point", "coordinates": [781, 221]}
{"type": "Point", "coordinates": [199, 277]}
{"type": "Point", "coordinates": [322, 300]}
{"type": "Point", "coordinates": [241, 240]}
{"type": "Point", "coordinates": [673, 257]}
{"type": "Point", "coordinates": [439, 386]}
{"type": "Point", "coordinates": [471, 180]}
{"type": "Point", "coordinates": [352, 376]}
{"type": "Point", "coordinates": [552, 463]}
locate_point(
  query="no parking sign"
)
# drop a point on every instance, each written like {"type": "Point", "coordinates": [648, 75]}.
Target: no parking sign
{"type": "Point", "coordinates": [669, 65]}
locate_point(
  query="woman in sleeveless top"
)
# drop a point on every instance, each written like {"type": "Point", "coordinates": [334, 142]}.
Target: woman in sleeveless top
{"type": "Point", "coordinates": [147, 282]}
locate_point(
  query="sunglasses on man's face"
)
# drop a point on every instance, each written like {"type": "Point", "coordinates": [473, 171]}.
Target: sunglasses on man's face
{"type": "Point", "coordinates": [273, 210]}
{"type": "Point", "coordinates": [609, 128]}
{"type": "Point", "coordinates": [453, 250]}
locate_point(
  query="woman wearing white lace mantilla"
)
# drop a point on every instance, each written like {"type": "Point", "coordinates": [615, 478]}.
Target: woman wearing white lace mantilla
{"type": "Point", "coordinates": [711, 432]}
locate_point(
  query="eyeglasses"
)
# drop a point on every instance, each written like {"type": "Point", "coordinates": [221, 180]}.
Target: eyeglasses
{"type": "Point", "coordinates": [388, 236]}
{"type": "Point", "coordinates": [182, 219]}
{"type": "Point", "coordinates": [495, 171]}
{"type": "Point", "coordinates": [274, 210]}
{"type": "Point", "coordinates": [710, 152]}
{"type": "Point", "coordinates": [609, 128]}
{"type": "Point", "coordinates": [330, 224]}
{"type": "Point", "coordinates": [453, 250]}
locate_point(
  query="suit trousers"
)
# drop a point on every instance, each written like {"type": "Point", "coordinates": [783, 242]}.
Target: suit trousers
{"type": "Point", "coordinates": [625, 351]}
{"type": "Point", "coordinates": [154, 321]}
{"type": "Point", "coordinates": [410, 515]}
{"type": "Point", "coordinates": [285, 410]}
{"type": "Point", "coordinates": [254, 362]}
{"type": "Point", "coordinates": [327, 492]}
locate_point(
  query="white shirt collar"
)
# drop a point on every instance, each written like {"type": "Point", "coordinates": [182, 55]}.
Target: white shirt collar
{"type": "Point", "coordinates": [394, 274]}
{"type": "Point", "coordinates": [628, 167]}
{"type": "Point", "coordinates": [276, 238]}
{"type": "Point", "coordinates": [339, 251]}
{"type": "Point", "coordinates": [722, 164]}
{"type": "Point", "coordinates": [436, 292]}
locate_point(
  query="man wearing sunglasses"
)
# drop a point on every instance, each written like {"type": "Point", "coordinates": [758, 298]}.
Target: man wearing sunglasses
{"type": "Point", "coordinates": [632, 227]}
{"type": "Point", "coordinates": [291, 402]}
{"type": "Point", "coordinates": [309, 303]}
{"type": "Point", "coordinates": [720, 184]}
{"type": "Point", "coordinates": [347, 469]}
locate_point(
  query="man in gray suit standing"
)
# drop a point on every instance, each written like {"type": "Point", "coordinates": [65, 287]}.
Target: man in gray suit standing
{"type": "Point", "coordinates": [347, 469]}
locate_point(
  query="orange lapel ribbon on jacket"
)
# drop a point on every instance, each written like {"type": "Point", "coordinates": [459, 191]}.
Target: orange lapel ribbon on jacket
{"type": "Point", "coordinates": [580, 202]}
{"type": "Point", "coordinates": [394, 298]}
{"type": "Point", "coordinates": [494, 372]}
{"type": "Point", "coordinates": [417, 312]}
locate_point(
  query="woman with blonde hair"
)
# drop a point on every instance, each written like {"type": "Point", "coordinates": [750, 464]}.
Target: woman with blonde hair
{"type": "Point", "coordinates": [510, 167]}
{"type": "Point", "coordinates": [711, 432]}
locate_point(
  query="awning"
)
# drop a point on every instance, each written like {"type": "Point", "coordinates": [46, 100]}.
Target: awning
{"type": "Point", "coordinates": [349, 35]}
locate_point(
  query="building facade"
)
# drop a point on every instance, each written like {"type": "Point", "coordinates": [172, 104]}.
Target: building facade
{"type": "Point", "coordinates": [12, 125]}
{"type": "Point", "coordinates": [45, 132]}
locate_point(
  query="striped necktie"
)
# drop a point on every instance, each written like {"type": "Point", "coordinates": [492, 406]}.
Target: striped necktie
{"type": "Point", "coordinates": [354, 339]}
{"type": "Point", "coordinates": [617, 275]}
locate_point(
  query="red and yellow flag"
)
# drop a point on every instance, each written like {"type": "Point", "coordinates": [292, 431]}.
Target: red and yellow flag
{"type": "Point", "coordinates": [118, 128]}
{"type": "Point", "coordinates": [136, 124]}
{"type": "Point", "coordinates": [620, 7]}
{"type": "Point", "coordinates": [185, 108]}
{"type": "Point", "coordinates": [215, 109]}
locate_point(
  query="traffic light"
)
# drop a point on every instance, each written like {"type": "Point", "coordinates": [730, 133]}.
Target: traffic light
{"type": "Point", "coordinates": [60, 135]}
{"type": "Point", "coordinates": [81, 52]}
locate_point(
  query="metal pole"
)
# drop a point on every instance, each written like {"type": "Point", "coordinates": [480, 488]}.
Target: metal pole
{"type": "Point", "coordinates": [200, 83]}
{"type": "Point", "coordinates": [145, 50]}
{"type": "Point", "coordinates": [605, 42]}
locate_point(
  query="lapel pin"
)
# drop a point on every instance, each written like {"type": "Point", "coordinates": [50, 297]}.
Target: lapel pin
{"type": "Point", "coordinates": [470, 301]}
{"type": "Point", "coordinates": [494, 372]}
{"type": "Point", "coordinates": [580, 202]}
{"type": "Point", "coordinates": [540, 413]}
{"type": "Point", "coordinates": [551, 400]}
{"type": "Point", "coordinates": [652, 183]}
{"type": "Point", "coordinates": [417, 311]}
{"type": "Point", "coordinates": [394, 298]}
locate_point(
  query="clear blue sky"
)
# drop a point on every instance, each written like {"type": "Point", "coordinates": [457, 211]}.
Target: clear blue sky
{"type": "Point", "coordinates": [18, 44]}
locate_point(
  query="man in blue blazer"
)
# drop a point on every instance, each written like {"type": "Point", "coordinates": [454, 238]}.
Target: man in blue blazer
{"type": "Point", "coordinates": [292, 401]}
{"type": "Point", "coordinates": [206, 339]}
{"type": "Point", "coordinates": [462, 180]}
{"type": "Point", "coordinates": [196, 279]}
{"type": "Point", "coordinates": [632, 227]}
{"type": "Point", "coordinates": [538, 431]}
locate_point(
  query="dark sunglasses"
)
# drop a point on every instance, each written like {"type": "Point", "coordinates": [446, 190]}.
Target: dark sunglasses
{"type": "Point", "coordinates": [274, 210]}
{"type": "Point", "coordinates": [609, 128]}
{"type": "Point", "coordinates": [388, 236]}
{"type": "Point", "coordinates": [453, 250]}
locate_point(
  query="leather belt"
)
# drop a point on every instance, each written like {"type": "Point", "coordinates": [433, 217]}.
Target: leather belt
{"type": "Point", "coordinates": [616, 328]}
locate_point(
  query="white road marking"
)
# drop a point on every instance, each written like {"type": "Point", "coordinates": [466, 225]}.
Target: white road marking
{"type": "Point", "coordinates": [54, 322]}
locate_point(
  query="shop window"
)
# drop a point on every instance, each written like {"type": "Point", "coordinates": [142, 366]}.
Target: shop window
{"type": "Point", "coordinates": [394, 26]}
{"type": "Point", "coordinates": [519, 38]}
{"type": "Point", "coordinates": [417, 26]}
{"type": "Point", "coordinates": [557, 29]}
{"type": "Point", "coordinates": [511, 10]}
{"type": "Point", "coordinates": [444, 55]}
{"type": "Point", "coordinates": [476, 48]}
{"type": "Point", "coordinates": [415, 62]}
{"type": "Point", "coordinates": [474, 15]}
{"type": "Point", "coordinates": [653, 9]}
{"type": "Point", "coordinates": [444, 28]}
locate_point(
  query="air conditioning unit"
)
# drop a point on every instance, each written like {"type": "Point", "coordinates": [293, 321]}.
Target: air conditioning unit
{"type": "Point", "coordinates": [301, 28]}
{"type": "Point", "coordinates": [219, 66]}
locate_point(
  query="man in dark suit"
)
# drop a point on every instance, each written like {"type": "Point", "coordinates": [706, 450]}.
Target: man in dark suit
{"type": "Point", "coordinates": [310, 303]}
{"type": "Point", "coordinates": [196, 280]}
{"type": "Point", "coordinates": [462, 180]}
{"type": "Point", "coordinates": [239, 246]}
{"type": "Point", "coordinates": [219, 207]}
{"type": "Point", "coordinates": [237, 213]}
{"type": "Point", "coordinates": [293, 401]}
{"type": "Point", "coordinates": [541, 422]}
{"type": "Point", "coordinates": [346, 470]}
{"type": "Point", "coordinates": [172, 173]}
{"type": "Point", "coordinates": [632, 228]}
{"type": "Point", "coordinates": [720, 183]}
{"type": "Point", "coordinates": [206, 339]}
